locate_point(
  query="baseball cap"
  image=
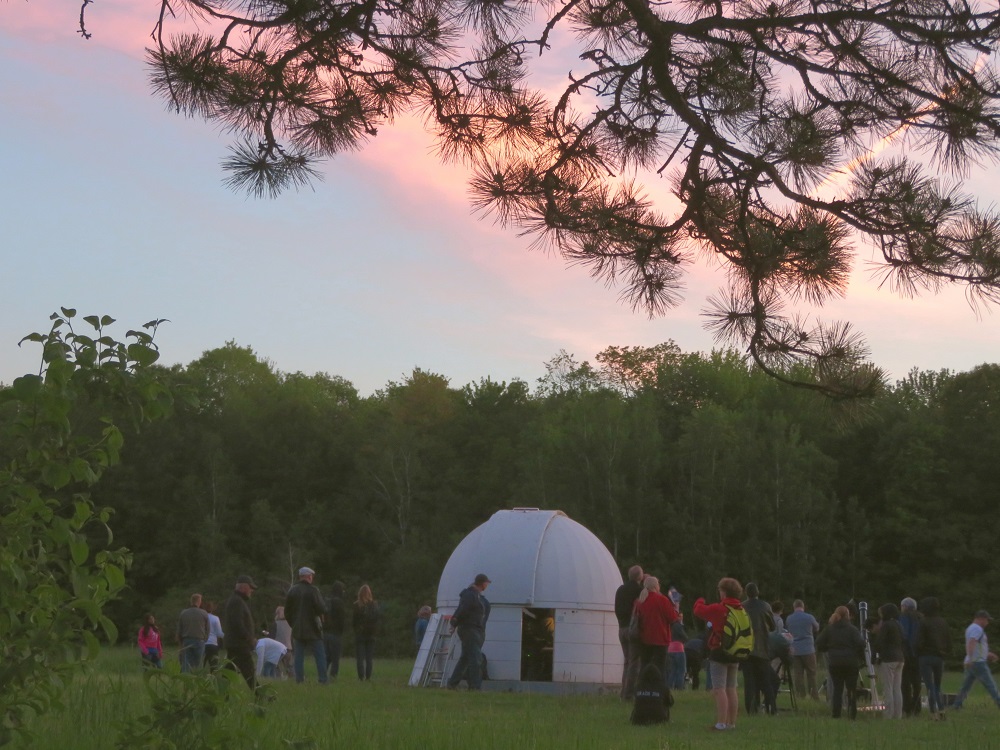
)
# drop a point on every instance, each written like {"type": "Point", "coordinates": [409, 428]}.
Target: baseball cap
{"type": "Point", "coordinates": [482, 578]}
{"type": "Point", "coordinates": [306, 572]}
{"type": "Point", "coordinates": [984, 614]}
{"type": "Point", "coordinates": [247, 580]}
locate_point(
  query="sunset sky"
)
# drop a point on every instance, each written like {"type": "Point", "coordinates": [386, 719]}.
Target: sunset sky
{"type": "Point", "coordinates": [113, 205]}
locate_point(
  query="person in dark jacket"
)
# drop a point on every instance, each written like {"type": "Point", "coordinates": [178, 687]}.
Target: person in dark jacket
{"type": "Point", "coordinates": [758, 677]}
{"type": "Point", "coordinates": [365, 621]}
{"type": "Point", "coordinates": [933, 647]}
{"type": "Point", "coordinates": [333, 628]}
{"type": "Point", "coordinates": [469, 620]}
{"type": "Point", "coordinates": [910, 622]}
{"type": "Point", "coordinates": [625, 598]}
{"type": "Point", "coordinates": [694, 654]}
{"type": "Point", "coordinates": [241, 635]}
{"type": "Point", "coordinates": [304, 610]}
{"type": "Point", "coordinates": [889, 645]}
{"type": "Point", "coordinates": [844, 647]}
{"type": "Point", "coordinates": [651, 706]}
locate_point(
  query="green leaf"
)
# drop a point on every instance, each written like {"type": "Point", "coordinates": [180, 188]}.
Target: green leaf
{"type": "Point", "coordinates": [68, 312]}
{"type": "Point", "coordinates": [81, 471]}
{"type": "Point", "coordinates": [93, 320]}
{"type": "Point", "coordinates": [56, 475]}
{"type": "Point", "coordinates": [110, 631]}
{"type": "Point", "coordinates": [26, 387]}
{"type": "Point", "coordinates": [115, 576]}
{"type": "Point", "coordinates": [143, 355]}
{"type": "Point", "coordinates": [106, 320]}
{"type": "Point", "coordinates": [38, 338]}
{"type": "Point", "coordinates": [79, 550]}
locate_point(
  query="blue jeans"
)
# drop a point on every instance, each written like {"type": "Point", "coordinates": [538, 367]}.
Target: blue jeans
{"type": "Point", "coordinates": [677, 661]}
{"type": "Point", "coordinates": [364, 655]}
{"type": "Point", "coordinates": [470, 663]}
{"type": "Point", "coordinates": [319, 652]}
{"type": "Point", "coordinates": [192, 654]}
{"type": "Point", "coordinates": [334, 647]}
{"type": "Point", "coordinates": [977, 670]}
{"type": "Point", "coordinates": [270, 669]}
{"type": "Point", "coordinates": [931, 668]}
{"type": "Point", "coordinates": [152, 658]}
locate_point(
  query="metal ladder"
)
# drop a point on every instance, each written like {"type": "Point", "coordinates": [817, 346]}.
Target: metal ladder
{"type": "Point", "coordinates": [436, 654]}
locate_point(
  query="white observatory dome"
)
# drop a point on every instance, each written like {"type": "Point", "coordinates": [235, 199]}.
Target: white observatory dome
{"type": "Point", "coordinates": [534, 558]}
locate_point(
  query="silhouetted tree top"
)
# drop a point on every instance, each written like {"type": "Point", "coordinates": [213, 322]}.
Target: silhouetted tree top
{"type": "Point", "coordinates": [768, 118]}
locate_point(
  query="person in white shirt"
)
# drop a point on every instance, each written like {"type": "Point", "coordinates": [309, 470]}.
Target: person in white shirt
{"type": "Point", "coordinates": [215, 636]}
{"type": "Point", "coordinates": [269, 653]}
{"type": "Point", "coordinates": [978, 658]}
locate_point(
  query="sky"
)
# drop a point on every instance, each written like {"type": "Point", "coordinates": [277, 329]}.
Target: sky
{"type": "Point", "coordinates": [111, 204]}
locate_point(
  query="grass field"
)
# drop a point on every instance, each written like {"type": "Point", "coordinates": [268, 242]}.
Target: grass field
{"type": "Point", "coordinates": [385, 714]}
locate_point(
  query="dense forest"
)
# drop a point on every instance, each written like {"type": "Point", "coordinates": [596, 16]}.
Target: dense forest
{"type": "Point", "coordinates": [695, 465]}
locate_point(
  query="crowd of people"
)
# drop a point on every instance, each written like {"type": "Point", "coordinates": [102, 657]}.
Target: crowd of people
{"type": "Point", "coordinates": [308, 623]}
{"type": "Point", "coordinates": [739, 633]}
{"type": "Point", "coordinates": [905, 647]}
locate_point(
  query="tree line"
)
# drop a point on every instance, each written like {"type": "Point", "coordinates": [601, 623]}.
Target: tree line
{"type": "Point", "coordinates": [695, 465]}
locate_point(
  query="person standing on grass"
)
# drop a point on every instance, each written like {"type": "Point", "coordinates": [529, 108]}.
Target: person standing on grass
{"type": "Point", "coordinates": [724, 674]}
{"type": "Point", "coordinates": [933, 646]}
{"type": "Point", "coordinates": [657, 615]}
{"type": "Point", "coordinates": [150, 645]}
{"type": "Point", "coordinates": [192, 634]}
{"type": "Point", "coordinates": [889, 644]}
{"type": "Point", "coordinates": [283, 634]}
{"type": "Point", "coordinates": [978, 657]}
{"type": "Point", "coordinates": [241, 637]}
{"type": "Point", "coordinates": [804, 628]}
{"type": "Point", "coordinates": [469, 620]}
{"type": "Point", "coordinates": [625, 598]}
{"type": "Point", "coordinates": [215, 636]}
{"type": "Point", "coordinates": [304, 610]}
{"type": "Point", "coordinates": [910, 620]}
{"type": "Point", "coordinates": [757, 675]}
{"type": "Point", "coordinates": [333, 628]}
{"type": "Point", "coordinates": [845, 648]}
{"type": "Point", "coordinates": [365, 621]}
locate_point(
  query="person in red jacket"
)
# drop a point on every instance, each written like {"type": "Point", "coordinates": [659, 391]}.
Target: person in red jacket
{"type": "Point", "coordinates": [656, 614]}
{"type": "Point", "coordinates": [727, 704]}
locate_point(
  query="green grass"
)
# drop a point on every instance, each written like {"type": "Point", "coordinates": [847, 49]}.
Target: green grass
{"type": "Point", "coordinates": [385, 714]}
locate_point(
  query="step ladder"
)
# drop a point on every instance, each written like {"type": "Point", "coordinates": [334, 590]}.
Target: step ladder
{"type": "Point", "coordinates": [437, 655]}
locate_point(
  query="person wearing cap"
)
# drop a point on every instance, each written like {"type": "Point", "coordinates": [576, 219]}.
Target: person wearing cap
{"type": "Point", "coordinates": [304, 610]}
{"type": "Point", "coordinates": [470, 620]}
{"type": "Point", "coordinates": [911, 622]}
{"type": "Point", "coordinates": [978, 657]}
{"type": "Point", "coordinates": [241, 636]}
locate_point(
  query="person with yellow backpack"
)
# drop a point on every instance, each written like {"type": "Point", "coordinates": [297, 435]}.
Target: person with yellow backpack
{"type": "Point", "coordinates": [730, 643]}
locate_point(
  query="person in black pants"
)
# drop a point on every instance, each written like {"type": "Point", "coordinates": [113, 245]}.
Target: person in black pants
{"type": "Point", "coordinates": [241, 637]}
{"type": "Point", "coordinates": [844, 647]}
{"type": "Point", "coordinates": [757, 673]}
{"type": "Point", "coordinates": [910, 620]}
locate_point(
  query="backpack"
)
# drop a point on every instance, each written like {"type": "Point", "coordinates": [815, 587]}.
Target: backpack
{"type": "Point", "coordinates": [737, 637]}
